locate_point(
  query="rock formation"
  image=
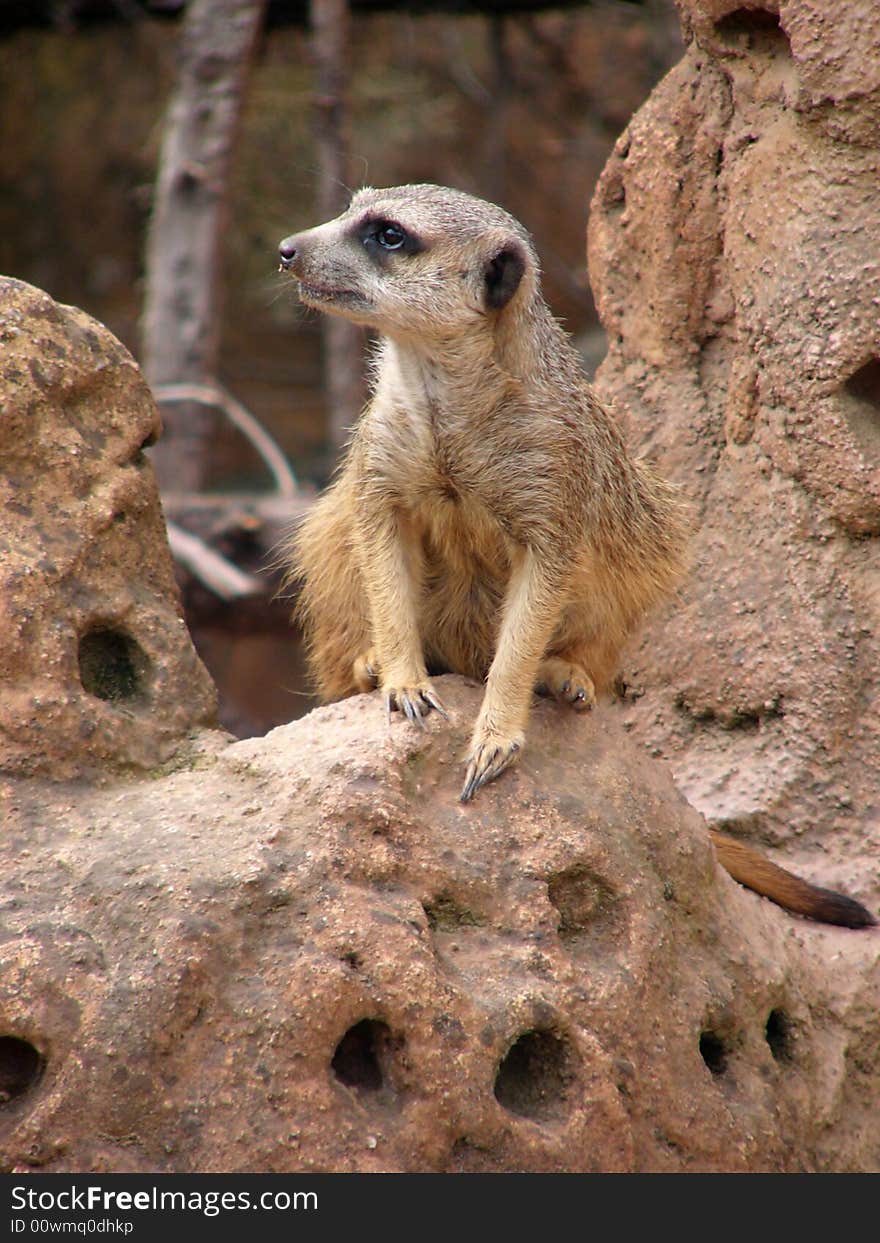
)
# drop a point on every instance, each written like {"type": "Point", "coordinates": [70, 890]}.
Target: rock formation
{"type": "Point", "coordinates": [302, 952]}
{"type": "Point", "coordinates": [96, 664]}
{"type": "Point", "coordinates": [735, 257]}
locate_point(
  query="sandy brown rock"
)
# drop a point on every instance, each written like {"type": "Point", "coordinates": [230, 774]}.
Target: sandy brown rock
{"type": "Point", "coordinates": [96, 663]}
{"type": "Point", "coordinates": [303, 953]}
{"type": "Point", "coordinates": [735, 256]}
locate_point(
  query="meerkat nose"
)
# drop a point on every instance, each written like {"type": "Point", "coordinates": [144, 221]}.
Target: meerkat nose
{"type": "Point", "coordinates": [287, 251]}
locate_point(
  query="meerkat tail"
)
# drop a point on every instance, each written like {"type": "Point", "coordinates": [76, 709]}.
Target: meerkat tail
{"type": "Point", "coordinates": [751, 869]}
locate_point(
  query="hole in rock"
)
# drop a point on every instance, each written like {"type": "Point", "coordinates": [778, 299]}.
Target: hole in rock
{"type": "Point", "coordinates": [471, 1156]}
{"type": "Point", "coordinates": [139, 458]}
{"type": "Point", "coordinates": [360, 1056]}
{"type": "Point", "coordinates": [862, 391]}
{"type": "Point", "coordinates": [112, 665]}
{"type": "Point", "coordinates": [713, 1052]}
{"type": "Point", "coordinates": [780, 1036]}
{"type": "Point", "coordinates": [759, 30]}
{"type": "Point", "coordinates": [535, 1076]}
{"type": "Point", "coordinates": [614, 195]}
{"type": "Point", "coordinates": [20, 1067]}
{"type": "Point", "coordinates": [581, 899]}
{"type": "Point", "coordinates": [444, 913]}
{"type": "Point", "coordinates": [748, 718]}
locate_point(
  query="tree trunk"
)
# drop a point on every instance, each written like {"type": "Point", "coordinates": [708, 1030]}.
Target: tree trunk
{"type": "Point", "coordinates": [342, 341]}
{"type": "Point", "coordinates": [182, 308]}
{"type": "Point", "coordinates": [495, 168]}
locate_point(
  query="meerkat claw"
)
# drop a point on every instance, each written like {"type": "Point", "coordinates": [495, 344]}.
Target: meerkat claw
{"type": "Point", "coordinates": [415, 702]}
{"type": "Point", "coordinates": [412, 709]}
{"type": "Point", "coordinates": [472, 783]}
{"type": "Point", "coordinates": [485, 765]}
{"type": "Point", "coordinates": [435, 703]}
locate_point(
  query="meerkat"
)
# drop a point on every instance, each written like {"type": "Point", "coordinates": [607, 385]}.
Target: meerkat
{"type": "Point", "coordinates": [487, 519]}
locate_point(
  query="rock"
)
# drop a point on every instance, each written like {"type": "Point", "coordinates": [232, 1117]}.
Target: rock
{"type": "Point", "coordinates": [302, 952]}
{"type": "Point", "coordinates": [735, 258]}
{"type": "Point", "coordinates": [96, 664]}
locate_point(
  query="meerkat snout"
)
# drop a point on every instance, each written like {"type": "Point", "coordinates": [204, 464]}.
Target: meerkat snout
{"type": "Point", "coordinates": [287, 251]}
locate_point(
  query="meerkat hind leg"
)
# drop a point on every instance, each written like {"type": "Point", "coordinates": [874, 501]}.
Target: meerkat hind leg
{"type": "Point", "coordinates": [365, 671]}
{"type": "Point", "coordinates": [567, 680]}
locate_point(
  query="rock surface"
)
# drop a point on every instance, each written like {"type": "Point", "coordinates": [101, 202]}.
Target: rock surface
{"type": "Point", "coordinates": [735, 257]}
{"type": "Point", "coordinates": [96, 664]}
{"type": "Point", "coordinates": [302, 952]}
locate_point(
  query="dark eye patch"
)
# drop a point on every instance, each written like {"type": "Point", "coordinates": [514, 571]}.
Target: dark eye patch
{"type": "Point", "coordinates": [382, 237]}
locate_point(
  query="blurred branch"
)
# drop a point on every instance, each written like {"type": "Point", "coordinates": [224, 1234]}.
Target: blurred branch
{"type": "Point", "coordinates": [215, 395]}
{"type": "Point", "coordinates": [218, 574]}
{"type": "Point", "coordinates": [236, 528]}
{"type": "Point", "coordinates": [230, 516]}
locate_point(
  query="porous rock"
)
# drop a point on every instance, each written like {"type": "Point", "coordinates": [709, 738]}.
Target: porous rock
{"type": "Point", "coordinates": [735, 257]}
{"type": "Point", "coordinates": [302, 952]}
{"type": "Point", "coordinates": [96, 663]}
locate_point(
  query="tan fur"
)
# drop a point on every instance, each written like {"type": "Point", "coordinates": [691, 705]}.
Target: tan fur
{"type": "Point", "coordinates": [751, 869]}
{"type": "Point", "coordinates": [487, 519]}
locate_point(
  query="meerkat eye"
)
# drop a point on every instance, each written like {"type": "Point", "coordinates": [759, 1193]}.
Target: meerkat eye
{"type": "Point", "coordinates": [383, 237]}
{"type": "Point", "coordinates": [390, 236]}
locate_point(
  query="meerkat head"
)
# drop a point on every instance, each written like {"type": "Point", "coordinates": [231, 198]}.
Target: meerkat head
{"type": "Point", "coordinates": [416, 260]}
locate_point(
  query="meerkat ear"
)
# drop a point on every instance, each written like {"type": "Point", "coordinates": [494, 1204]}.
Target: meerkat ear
{"type": "Point", "coordinates": [502, 275]}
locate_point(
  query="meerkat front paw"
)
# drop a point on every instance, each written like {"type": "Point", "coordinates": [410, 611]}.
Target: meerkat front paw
{"type": "Point", "coordinates": [566, 680]}
{"type": "Point", "coordinates": [415, 701]}
{"type": "Point", "coordinates": [491, 753]}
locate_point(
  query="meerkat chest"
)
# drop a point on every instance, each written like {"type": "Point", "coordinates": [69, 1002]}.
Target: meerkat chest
{"type": "Point", "coordinates": [428, 450]}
